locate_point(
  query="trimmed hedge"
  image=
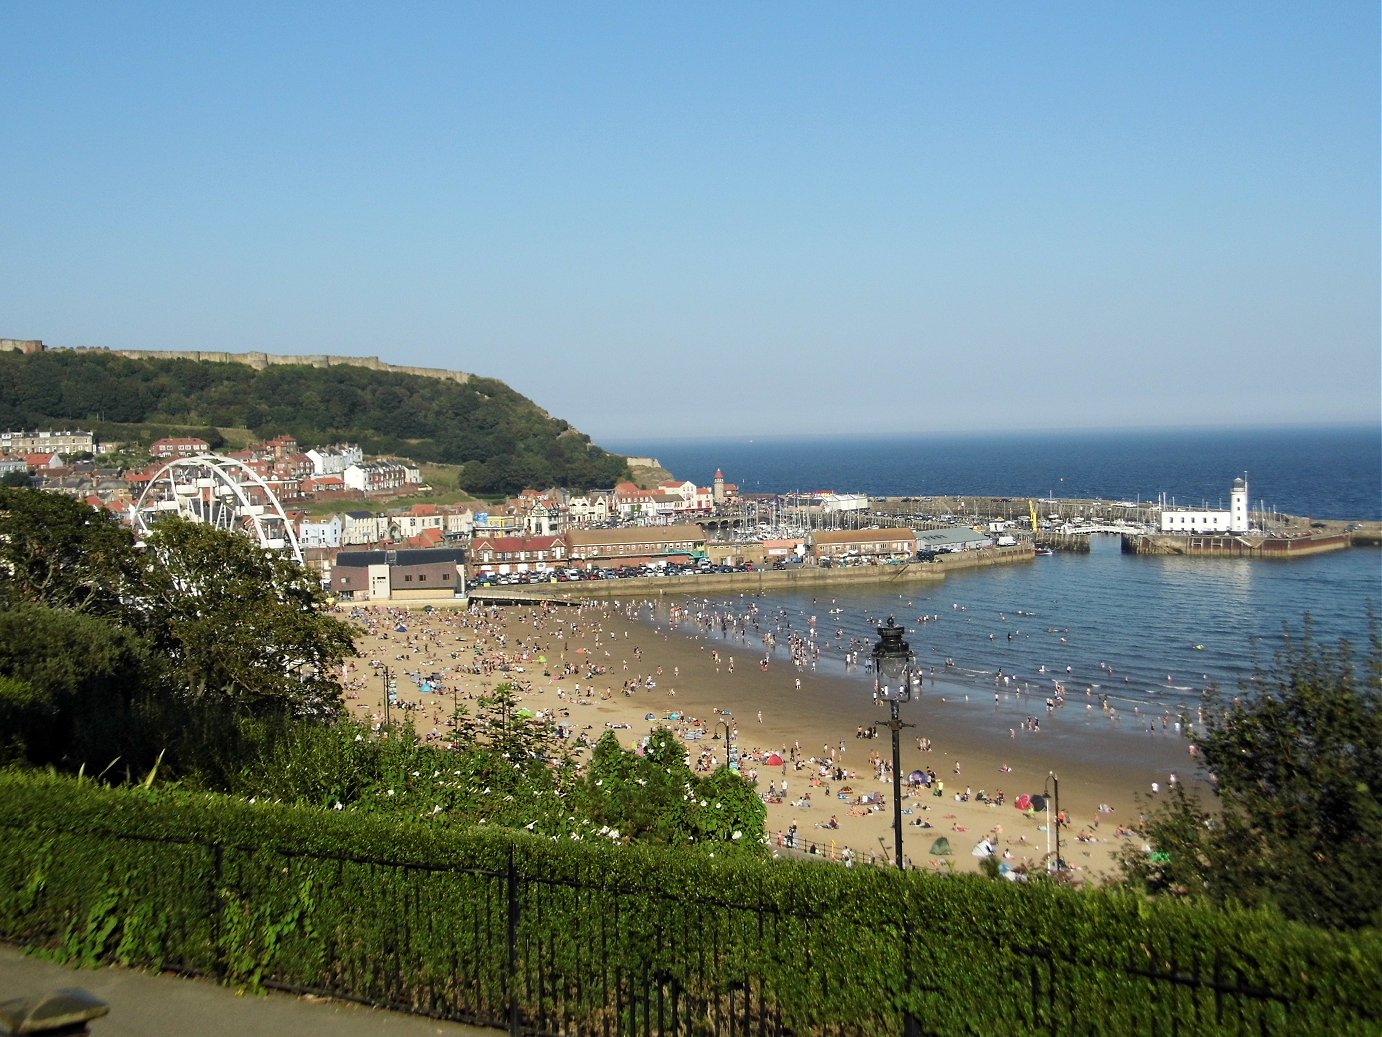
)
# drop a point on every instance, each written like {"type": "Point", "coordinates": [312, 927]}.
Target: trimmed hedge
{"type": "Point", "coordinates": [417, 916]}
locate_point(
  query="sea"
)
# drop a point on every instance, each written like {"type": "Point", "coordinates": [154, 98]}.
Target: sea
{"type": "Point", "coordinates": [1143, 635]}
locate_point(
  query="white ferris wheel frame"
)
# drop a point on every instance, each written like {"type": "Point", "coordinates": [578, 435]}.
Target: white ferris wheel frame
{"type": "Point", "coordinates": [227, 476]}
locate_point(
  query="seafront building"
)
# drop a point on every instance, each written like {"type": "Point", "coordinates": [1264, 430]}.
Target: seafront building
{"type": "Point", "coordinates": [1234, 520]}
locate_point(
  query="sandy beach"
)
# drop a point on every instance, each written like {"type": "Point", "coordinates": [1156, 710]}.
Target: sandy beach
{"type": "Point", "coordinates": [630, 667]}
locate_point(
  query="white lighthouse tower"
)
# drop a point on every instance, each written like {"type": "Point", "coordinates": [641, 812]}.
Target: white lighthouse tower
{"type": "Point", "coordinates": [1238, 506]}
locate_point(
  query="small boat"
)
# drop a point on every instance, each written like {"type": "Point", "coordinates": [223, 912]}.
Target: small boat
{"type": "Point", "coordinates": [1044, 552]}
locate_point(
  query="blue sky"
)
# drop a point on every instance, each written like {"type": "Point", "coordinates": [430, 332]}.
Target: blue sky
{"type": "Point", "coordinates": [742, 219]}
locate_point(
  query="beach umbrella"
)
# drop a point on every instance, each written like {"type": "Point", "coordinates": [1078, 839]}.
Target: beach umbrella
{"type": "Point", "coordinates": [772, 760]}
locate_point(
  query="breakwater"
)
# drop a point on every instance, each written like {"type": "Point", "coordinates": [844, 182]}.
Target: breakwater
{"type": "Point", "coordinates": [762, 581]}
{"type": "Point", "coordinates": [1233, 546]}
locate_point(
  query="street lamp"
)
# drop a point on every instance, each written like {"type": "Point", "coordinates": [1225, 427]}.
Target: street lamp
{"type": "Point", "coordinates": [729, 761]}
{"type": "Point", "coordinates": [390, 686]}
{"type": "Point", "coordinates": [892, 667]}
{"type": "Point", "coordinates": [1053, 786]}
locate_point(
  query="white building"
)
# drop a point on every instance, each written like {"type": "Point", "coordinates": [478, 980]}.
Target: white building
{"type": "Point", "coordinates": [586, 509]}
{"type": "Point", "coordinates": [324, 532]}
{"type": "Point", "coordinates": [363, 527]}
{"type": "Point", "coordinates": [334, 460]}
{"type": "Point", "coordinates": [382, 476]}
{"type": "Point", "coordinates": [1235, 520]}
{"type": "Point", "coordinates": [842, 502]}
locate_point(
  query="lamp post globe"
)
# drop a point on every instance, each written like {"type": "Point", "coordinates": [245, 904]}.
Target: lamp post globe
{"type": "Point", "coordinates": [892, 667]}
{"type": "Point", "coordinates": [892, 663]}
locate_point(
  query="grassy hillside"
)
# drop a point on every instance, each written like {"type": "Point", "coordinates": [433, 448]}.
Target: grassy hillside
{"type": "Point", "coordinates": [498, 440]}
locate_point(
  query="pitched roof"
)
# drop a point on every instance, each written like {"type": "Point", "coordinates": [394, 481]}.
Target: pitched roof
{"type": "Point", "coordinates": [430, 537]}
{"type": "Point", "coordinates": [862, 536]}
{"type": "Point", "coordinates": [943, 537]}
{"type": "Point", "coordinates": [510, 544]}
{"type": "Point", "coordinates": [635, 535]}
{"type": "Point", "coordinates": [423, 556]}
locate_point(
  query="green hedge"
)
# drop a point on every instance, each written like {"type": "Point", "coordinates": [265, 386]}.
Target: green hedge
{"type": "Point", "coordinates": [417, 916]}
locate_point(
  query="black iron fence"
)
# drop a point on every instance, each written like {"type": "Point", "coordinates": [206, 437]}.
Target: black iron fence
{"type": "Point", "coordinates": [511, 938]}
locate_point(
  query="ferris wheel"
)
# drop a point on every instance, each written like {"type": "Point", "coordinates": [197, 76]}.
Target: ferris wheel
{"type": "Point", "coordinates": [221, 492]}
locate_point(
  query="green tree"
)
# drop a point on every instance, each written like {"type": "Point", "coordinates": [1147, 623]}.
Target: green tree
{"type": "Point", "coordinates": [511, 731]}
{"type": "Point", "coordinates": [61, 552]}
{"type": "Point", "coordinates": [70, 685]}
{"type": "Point", "coordinates": [240, 622]}
{"type": "Point", "coordinates": [1296, 767]}
{"type": "Point", "coordinates": [727, 805]}
{"type": "Point", "coordinates": [655, 797]}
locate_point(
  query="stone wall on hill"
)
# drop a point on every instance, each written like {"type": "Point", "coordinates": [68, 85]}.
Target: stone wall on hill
{"type": "Point", "coordinates": [256, 360]}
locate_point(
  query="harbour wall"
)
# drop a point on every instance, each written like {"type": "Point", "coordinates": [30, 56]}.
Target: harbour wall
{"type": "Point", "coordinates": [760, 580]}
{"type": "Point", "coordinates": [1226, 546]}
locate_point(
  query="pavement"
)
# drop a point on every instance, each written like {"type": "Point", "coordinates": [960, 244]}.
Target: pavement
{"type": "Point", "coordinates": [150, 1004]}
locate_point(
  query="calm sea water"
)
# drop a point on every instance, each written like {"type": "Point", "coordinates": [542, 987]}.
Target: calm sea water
{"type": "Point", "coordinates": [1319, 472]}
{"type": "Point", "coordinates": [1147, 632]}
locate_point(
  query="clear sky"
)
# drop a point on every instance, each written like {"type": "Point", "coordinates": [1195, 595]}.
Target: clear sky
{"type": "Point", "coordinates": [721, 218]}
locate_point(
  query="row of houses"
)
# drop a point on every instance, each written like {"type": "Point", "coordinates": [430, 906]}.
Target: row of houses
{"type": "Point", "coordinates": [67, 441]}
{"type": "Point", "coordinates": [646, 545]}
{"type": "Point", "coordinates": [342, 471]}
{"type": "Point", "coordinates": [291, 473]}
{"type": "Point", "coordinates": [532, 517]}
{"type": "Point", "coordinates": [402, 574]}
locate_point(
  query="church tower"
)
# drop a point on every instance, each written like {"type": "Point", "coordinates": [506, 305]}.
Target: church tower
{"type": "Point", "coordinates": [1238, 506]}
{"type": "Point", "coordinates": [718, 490]}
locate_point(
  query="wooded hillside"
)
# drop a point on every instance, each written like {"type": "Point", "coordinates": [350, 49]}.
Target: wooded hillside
{"type": "Point", "coordinates": [503, 441]}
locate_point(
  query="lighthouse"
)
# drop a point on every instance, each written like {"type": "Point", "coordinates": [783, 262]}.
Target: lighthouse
{"type": "Point", "coordinates": [1238, 506]}
{"type": "Point", "coordinates": [718, 490]}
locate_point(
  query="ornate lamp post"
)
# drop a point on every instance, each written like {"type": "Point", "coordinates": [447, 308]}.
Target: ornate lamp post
{"type": "Point", "coordinates": [892, 667]}
{"type": "Point", "coordinates": [1053, 785]}
{"type": "Point", "coordinates": [729, 757]}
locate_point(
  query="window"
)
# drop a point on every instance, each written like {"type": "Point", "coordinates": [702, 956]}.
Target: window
{"type": "Point", "coordinates": [422, 578]}
{"type": "Point", "coordinates": [408, 578]}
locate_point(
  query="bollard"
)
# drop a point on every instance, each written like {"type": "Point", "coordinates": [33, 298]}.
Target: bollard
{"type": "Point", "coordinates": [58, 1013]}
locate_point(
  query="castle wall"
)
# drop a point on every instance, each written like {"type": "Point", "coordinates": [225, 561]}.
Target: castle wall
{"type": "Point", "coordinates": [257, 360]}
{"type": "Point", "coordinates": [21, 345]}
